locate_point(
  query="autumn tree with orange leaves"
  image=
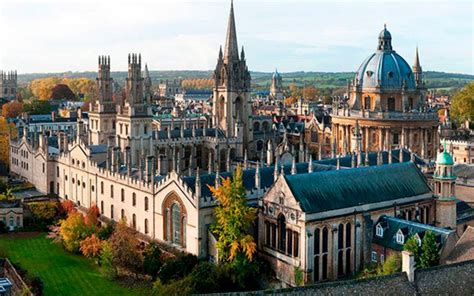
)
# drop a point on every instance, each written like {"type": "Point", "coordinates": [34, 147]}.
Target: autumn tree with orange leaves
{"type": "Point", "coordinates": [233, 220]}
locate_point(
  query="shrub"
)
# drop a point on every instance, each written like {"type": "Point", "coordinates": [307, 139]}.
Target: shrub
{"type": "Point", "coordinates": [105, 232]}
{"type": "Point", "coordinates": [3, 227]}
{"type": "Point", "coordinates": [91, 246]}
{"type": "Point", "coordinates": [126, 249]}
{"type": "Point", "coordinates": [152, 261]}
{"type": "Point", "coordinates": [175, 288]}
{"type": "Point", "coordinates": [391, 265]}
{"type": "Point", "coordinates": [106, 261]}
{"type": "Point", "coordinates": [412, 246]}
{"type": "Point", "coordinates": [43, 214]}
{"type": "Point", "coordinates": [429, 250]}
{"type": "Point", "coordinates": [177, 268]}
{"type": "Point", "coordinates": [73, 230]}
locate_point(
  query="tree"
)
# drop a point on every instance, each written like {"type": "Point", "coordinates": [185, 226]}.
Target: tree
{"type": "Point", "coordinates": [462, 104]}
{"type": "Point", "coordinates": [35, 107]}
{"type": "Point", "coordinates": [429, 250]}
{"type": "Point", "coordinates": [62, 91]}
{"type": "Point", "coordinates": [12, 109]}
{"type": "Point", "coordinates": [92, 216]}
{"type": "Point", "coordinates": [125, 248]}
{"type": "Point", "coordinates": [412, 246]}
{"type": "Point", "coordinates": [91, 246]}
{"type": "Point", "coordinates": [233, 219]}
{"type": "Point", "coordinates": [73, 230]}
{"type": "Point", "coordinates": [7, 130]}
{"type": "Point", "coordinates": [106, 260]}
{"type": "Point", "coordinates": [310, 93]}
{"type": "Point", "coordinates": [152, 259]}
{"type": "Point", "coordinates": [67, 206]}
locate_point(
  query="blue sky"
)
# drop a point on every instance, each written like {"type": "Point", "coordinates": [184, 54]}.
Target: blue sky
{"type": "Point", "coordinates": [333, 36]}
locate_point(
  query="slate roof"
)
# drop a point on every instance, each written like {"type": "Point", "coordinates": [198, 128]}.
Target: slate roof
{"type": "Point", "coordinates": [325, 191]}
{"type": "Point", "coordinates": [101, 148]}
{"type": "Point", "coordinates": [464, 248]}
{"type": "Point", "coordinates": [409, 228]}
{"type": "Point", "coordinates": [188, 133]}
{"type": "Point", "coordinates": [248, 176]}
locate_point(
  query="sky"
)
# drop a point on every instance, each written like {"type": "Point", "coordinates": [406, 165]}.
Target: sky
{"type": "Point", "coordinates": [330, 36]}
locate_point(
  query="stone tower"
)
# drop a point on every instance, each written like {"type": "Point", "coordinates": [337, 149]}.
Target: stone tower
{"type": "Point", "coordinates": [276, 88]}
{"type": "Point", "coordinates": [417, 71]}
{"type": "Point", "coordinates": [231, 101]}
{"type": "Point", "coordinates": [103, 113]}
{"type": "Point", "coordinates": [8, 85]}
{"type": "Point", "coordinates": [444, 190]}
{"type": "Point", "coordinates": [147, 84]}
{"type": "Point", "coordinates": [134, 118]}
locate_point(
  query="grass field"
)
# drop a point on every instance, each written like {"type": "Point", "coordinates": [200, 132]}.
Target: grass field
{"type": "Point", "coordinates": [62, 273]}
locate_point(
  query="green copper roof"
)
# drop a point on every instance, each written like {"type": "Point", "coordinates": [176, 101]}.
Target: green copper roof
{"type": "Point", "coordinates": [338, 189]}
{"type": "Point", "coordinates": [444, 158]}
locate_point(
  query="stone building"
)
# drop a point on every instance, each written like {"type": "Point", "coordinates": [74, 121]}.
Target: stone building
{"type": "Point", "coordinates": [169, 88]}
{"type": "Point", "coordinates": [11, 214]}
{"type": "Point", "coordinates": [276, 88]}
{"type": "Point", "coordinates": [8, 85]}
{"type": "Point", "coordinates": [386, 99]}
{"type": "Point", "coordinates": [463, 151]}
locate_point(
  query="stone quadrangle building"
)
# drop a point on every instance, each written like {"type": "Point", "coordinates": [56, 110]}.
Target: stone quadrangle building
{"type": "Point", "coordinates": [318, 216]}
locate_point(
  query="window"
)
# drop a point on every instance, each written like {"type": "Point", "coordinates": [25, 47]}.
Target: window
{"type": "Point", "coordinates": [134, 221]}
{"type": "Point", "coordinates": [101, 187]}
{"type": "Point", "coordinates": [400, 238]}
{"type": "Point", "coordinates": [314, 136]}
{"type": "Point", "coordinates": [396, 140]}
{"type": "Point", "coordinates": [379, 230]}
{"type": "Point", "coordinates": [281, 232]}
{"type": "Point", "coordinates": [122, 195]}
{"type": "Point", "coordinates": [176, 223]}
{"type": "Point", "coordinates": [102, 207]}
{"type": "Point", "coordinates": [122, 214]}
{"type": "Point", "coordinates": [146, 226]}
{"type": "Point", "coordinates": [112, 212]}
{"type": "Point", "coordinates": [146, 203]}
{"type": "Point", "coordinates": [367, 102]}
{"type": "Point", "coordinates": [391, 104]}
{"type": "Point", "coordinates": [374, 256]}
{"type": "Point", "coordinates": [134, 199]}
{"type": "Point", "coordinates": [111, 191]}
{"type": "Point", "coordinates": [382, 259]}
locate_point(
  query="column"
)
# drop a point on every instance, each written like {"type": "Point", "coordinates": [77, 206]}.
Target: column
{"type": "Point", "coordinates": [410, 139]}
{"type": "Point", "coordinates": [344, 139]}
{"type": "Point", "coordinates": [380, 139]}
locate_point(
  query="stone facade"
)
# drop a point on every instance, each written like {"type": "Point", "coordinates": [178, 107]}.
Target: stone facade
{"type": "Point", "coordinates": [8, 85]}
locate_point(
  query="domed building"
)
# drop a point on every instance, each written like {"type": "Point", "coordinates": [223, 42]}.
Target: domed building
{"type": "Point", "coordinates": [386, 99]}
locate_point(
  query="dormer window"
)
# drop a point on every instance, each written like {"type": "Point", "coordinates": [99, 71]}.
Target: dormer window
{"type": "Point", "coordinates": [390, 74]}
{"type": "Point", "coordinates": [379, 230]}
{"type": "Point", "coordinates": [400, 237]}
{"type": "Point", "coordinates": [369, 73]}
{"type": "Point", "coordinates": [418, 239]}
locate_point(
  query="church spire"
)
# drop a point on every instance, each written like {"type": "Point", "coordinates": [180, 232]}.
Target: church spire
{"type": "Point", "coordinates": [231, 49]}
{"type": "Point", "coordinates": [417, 69]}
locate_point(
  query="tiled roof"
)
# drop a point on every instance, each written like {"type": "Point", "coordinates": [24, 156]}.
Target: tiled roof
{"type": "Point", "coordinates": [464, 248]}
{"type": "Point", "coordinates": [325, 191]}
{"type": "Point", "coordinates": [409, 228]}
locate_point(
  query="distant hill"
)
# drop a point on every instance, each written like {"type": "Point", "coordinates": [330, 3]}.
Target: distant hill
{"type": "Point", "coordinates": [261, 80]}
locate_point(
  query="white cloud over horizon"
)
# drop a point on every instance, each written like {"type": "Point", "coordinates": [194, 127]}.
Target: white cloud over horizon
{"type": "Point", "coordinates": [58, 36]}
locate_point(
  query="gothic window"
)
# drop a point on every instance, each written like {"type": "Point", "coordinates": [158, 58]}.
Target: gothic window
{"type": "Point", "coordinates": [265, 126]}
{"type": "Point", "coordinates": [122, 214]}
{"type": "Point", "coordinates": [146, 203]}
{"type": "Point", "coordinates": [317, 237]}
{"type": "Point", "coordinates": [281, 232]}
{"type": "Point", "coordinates": [102, 207]}
{"type": "Point", "coordinates": [111, 191]}
{"type": "Point", "coordinates": [101, 187]}
{"type": "Point", "coordinates": [400, 237]}
{"type": "Point", "coordinates": [320, 253]}
{"type": "Point", "coordinates": [134, 199]}
{"type": "Point", "coordinates": [176, 223]}
{"type": "Point", "coordinates": [134, 221]}
{"type": "Point", "coordinates": [146, 226]}
{"type": "Point", "coordinates": [410, 103]}
{"type": "Point", "coordinates": [145, 129]}
{"type": "Point", "coordinates": [122, 195]}
{"type": "Point", "coordinates": [112, 212]}
{"type": "Point", "coordinates": [256, 126]}
{"type": "Point", "coordinates": [174, 220]}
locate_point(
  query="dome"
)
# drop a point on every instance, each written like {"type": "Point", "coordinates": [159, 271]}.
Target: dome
{"type": "Point", "coordinates": [385, 68]}
{"type": "Point", "coordinates": [444, 158]}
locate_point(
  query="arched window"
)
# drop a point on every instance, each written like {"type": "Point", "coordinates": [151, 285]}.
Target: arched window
{"type": "Point", "coordinates": [112, 212]}
{"type": "Point", "coordinates": [314, 136]}
{"type": "Point", "coordinates": [122, 214]}
{"type": "Point", "coordinates": [102, 207]}
{"type": "Point", "coordinates": [146, 226]}
{"type": "Point", "coordinates": [101, 187]}
{"type": "Point", "coordinates": [111, 191]}
{"type": "Point", "coordinates": [176, 223]}
{"type": "Point", "coordinates": [146, 203]}
{"type": "Point", "coordinates": [256, 126]}
{"type": "Point", "coordinates": [134, 199]}
{"type": "Point", "coordinates": [122, 195]}
{"type": "Point", "coordinates": [281, 232]}
{"type": "Point", "coordinates": [134, 221]}
{"type": "Point", "coordinates": [367, 102]}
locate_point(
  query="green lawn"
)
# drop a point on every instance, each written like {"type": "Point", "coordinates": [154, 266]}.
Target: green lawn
{"type": "Point", "coordinates": [62, 273]}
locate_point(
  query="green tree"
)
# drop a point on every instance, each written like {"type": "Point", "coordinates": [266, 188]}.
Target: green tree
{"type": "Point", "coordinates": [152, 259]}
{"type": "Point", "coordinates": [233, 219]}
{"type": "Point", "coordinates": [412, 246]}
{"type": "Point", "coordinates": [429, 250]}
{"type": "Point", "coordinates": [107, 261]}
{"type": "Point", "coordinates": [73, 230]}
{"type": "Point", "coordinates": [37, 107]}
{"type": "Point", "coordinates": [462, 104]}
